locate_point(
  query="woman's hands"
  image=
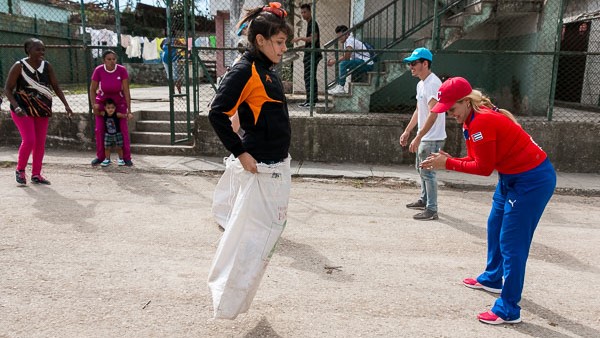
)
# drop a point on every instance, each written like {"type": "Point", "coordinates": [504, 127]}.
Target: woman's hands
{"type": "Point", "coordinates": [248, 162]}
{"type": "Point", "coordinates": [96, 109]}
{"type": "Point", "coordinates": [435, 161]}
{"type": "Point", "coordinates": [19, 111]}
{"type": "Point", "coordinates": [69, 112]}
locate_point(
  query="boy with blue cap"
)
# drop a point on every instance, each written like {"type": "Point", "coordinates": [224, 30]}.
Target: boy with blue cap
{"type": "Point", "coordinates": [431, 133]}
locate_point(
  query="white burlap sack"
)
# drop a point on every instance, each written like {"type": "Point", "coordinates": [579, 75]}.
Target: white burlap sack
{"type": "Point", "coordinates": [226, 191]}
{"type": "Point", "coordinates": [255, 223]}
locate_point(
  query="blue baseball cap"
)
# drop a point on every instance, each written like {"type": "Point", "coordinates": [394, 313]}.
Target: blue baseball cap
{"type": "Point", "coordinates": [419, 53]}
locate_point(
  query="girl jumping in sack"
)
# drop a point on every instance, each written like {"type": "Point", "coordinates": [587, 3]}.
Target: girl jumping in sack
{"type": "Point", "coordinates": [259, 163]}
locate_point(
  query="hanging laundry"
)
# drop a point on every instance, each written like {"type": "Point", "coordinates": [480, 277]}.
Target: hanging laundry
{"type": "Point", "coordinates": [135, 49]}
{"type": "Point", "coordinates": [150, 52]}
{"type": "Point", "coordinates": [102, 37]}
{"type": "Point", "coordinates": [125, 40]}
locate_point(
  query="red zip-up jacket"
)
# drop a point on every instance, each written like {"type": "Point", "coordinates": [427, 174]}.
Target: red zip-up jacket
{"type": "Point", "coordinates": [495, 142]}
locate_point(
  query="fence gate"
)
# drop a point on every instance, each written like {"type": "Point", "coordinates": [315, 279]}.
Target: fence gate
{"type": "Point", "coordinates": [182, 89]}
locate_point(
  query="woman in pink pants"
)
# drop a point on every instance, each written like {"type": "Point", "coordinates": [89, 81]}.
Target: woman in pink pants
{"type": "Point", "coordinates": [111, 81]}
{"type": "Point", "coordinates": [29, 90]}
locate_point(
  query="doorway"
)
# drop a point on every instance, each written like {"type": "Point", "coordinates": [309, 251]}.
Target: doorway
{"type": "Point", "coordinates": [571, 67]}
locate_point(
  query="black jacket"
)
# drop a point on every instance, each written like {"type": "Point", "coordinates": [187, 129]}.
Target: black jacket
{"type": "Point", "coordinates": [255, 91]}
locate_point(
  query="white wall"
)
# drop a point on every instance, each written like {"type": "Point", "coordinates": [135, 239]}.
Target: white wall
{"type": "Point", "coordinates": [576, 8]}
{"type": "Point", "coordinates": [590, 93]}
{"type": "Point", "coordinates": [329, 14]}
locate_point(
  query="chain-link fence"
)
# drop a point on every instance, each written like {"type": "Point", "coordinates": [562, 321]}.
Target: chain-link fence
{"type": "Point", "coordinates": [21, 20]}
{"type": "Point", "coordinates": [538, 58]}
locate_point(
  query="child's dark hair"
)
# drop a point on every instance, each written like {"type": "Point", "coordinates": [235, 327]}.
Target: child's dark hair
{"type": "Point", "coordinates": [29, 43]}
{"type": "Point", "coordinates": [266, 21]}
{"type": "Point", "coordinates": [109, 101]}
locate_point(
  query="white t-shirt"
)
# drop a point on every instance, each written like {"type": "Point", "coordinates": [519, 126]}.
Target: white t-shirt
{"type": "Point", "coordinates": [426, 90]}
{"type": "Point", "coordinates": [357, 45]}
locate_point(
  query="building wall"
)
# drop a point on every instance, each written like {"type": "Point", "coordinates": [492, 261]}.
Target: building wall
{"type": "Point", "coordinates": [328, 15]}
{"type": "Point", "coordinates": [518, 82]}
{"type": "Point", "coordinates": [576, 8]}
{"type": "Point", "coordinates": [39, 11]}
{"type": "Point", "coordinates": [4, 6]}
{"type": "Point", "coordinates": [360, 139]}
{"type": "Point", "coordinates": [590, 94]}
{"type": "Point", "coordinates": [221, 22]}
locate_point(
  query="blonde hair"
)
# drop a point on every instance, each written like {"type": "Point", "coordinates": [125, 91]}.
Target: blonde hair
{"type": "Point", "coordinates": [478, 100]}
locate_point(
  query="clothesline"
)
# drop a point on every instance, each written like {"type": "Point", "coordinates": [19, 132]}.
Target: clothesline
{"type": "Point", "coordinates": [148, 49]}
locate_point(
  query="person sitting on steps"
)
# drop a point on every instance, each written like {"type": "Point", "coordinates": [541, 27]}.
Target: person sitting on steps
{"type": "Point", "coordinates": [351, 59]}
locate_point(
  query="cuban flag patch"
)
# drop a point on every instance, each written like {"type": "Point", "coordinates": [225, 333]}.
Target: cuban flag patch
{"type": "Point", "coordinates": [477, 137]}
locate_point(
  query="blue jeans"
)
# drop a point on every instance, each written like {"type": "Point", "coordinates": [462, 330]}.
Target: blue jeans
{"type": "Point", "coordinates": [428, 177]}
{"type": "Point", "coordinates": [518, 204]}
{"type": "Point", "coordinates": [348, 65]}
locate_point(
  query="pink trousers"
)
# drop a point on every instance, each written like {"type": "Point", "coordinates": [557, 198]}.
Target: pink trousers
{"type": "Point", "coordinates": [33, 132]}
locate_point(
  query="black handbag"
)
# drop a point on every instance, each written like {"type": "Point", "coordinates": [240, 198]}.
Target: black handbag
{"type": "Point", "coordinates": [33, 104]}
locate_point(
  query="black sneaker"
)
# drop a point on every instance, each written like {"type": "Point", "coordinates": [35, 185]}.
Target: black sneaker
{"type": "Point", "coordinates": [39, 179]}
{"type": "Point", "coordinates": [20, 176]}
{"type": "Point", "coordinates": [426, 215]}
{"type": "Point", "coordinates": [128, 163]}
{"type": "Point", "coordinates": [304, 105]}
{"type": "Point", "coordinates": [418, 205]}
{"type": "Point", "coordinates": [95, 162]}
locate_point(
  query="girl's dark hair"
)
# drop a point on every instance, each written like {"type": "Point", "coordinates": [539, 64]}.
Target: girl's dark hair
{"type": "Point", "coordinates": [265, 23]}
{"type": "Point", "coordinates": [29, 43]}
{"type": "Point", "coordinates": [106, 52]}
{"type": "Point", "coordinates": [109, 101]}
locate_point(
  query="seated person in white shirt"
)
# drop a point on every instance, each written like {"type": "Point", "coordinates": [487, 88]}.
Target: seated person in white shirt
{"type": "Point", "coordinates": [350, 59]}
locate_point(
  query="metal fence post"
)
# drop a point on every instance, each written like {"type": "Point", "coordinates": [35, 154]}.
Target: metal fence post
{"type": "Point", "coordinates": [311, 96]}
{"type": "Point", "coordinates": [556, 58]}
{"type": "Point", "coordinates": [118, 31]}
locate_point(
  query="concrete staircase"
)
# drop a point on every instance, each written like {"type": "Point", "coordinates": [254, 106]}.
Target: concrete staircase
{"type": "Point", "coordinates": [358, 98]}
{"type": "Point", "coordinates": [478, 12]}
{"type": "Point", "coordinates": [472, 16]}
{"type": "Point", "coordinates": [211, 67]}
{"type": "Point", "coordinates": [152, 135]}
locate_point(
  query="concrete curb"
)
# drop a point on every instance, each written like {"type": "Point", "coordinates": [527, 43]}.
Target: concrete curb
{"type": "Point", "coordinates": [361, 174]}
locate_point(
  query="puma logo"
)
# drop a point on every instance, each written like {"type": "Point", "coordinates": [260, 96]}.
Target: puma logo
{"type": "Point", "coordinates": [512, 203]}
{"type": "Point", "coordinates": [268, 79]}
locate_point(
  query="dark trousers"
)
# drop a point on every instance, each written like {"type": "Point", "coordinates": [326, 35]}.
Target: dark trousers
{"type": "Point", "coordinates": [306, 61]}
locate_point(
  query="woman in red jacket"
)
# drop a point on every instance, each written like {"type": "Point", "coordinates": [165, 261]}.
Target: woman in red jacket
{"type": "Point", "coordinates": [495, 141]}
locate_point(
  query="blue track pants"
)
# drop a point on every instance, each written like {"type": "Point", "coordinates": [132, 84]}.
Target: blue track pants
{"type": "Point", "coordinates": [518, 204]}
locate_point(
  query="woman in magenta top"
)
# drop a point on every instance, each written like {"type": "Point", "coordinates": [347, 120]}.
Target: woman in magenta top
{"type": "Point", "coordinates": [111, 81]}
{"type": "Point", "coordinates": [495, 141]}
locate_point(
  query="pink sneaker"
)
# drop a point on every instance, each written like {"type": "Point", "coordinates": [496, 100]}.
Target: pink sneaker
{"type": "Point", "coordinates": [474, 284]}
{"type": "Point", "coordinates": [489, 317]}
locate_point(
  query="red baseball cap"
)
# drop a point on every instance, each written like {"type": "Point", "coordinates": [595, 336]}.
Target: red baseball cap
{"type": "Point", "coordinates": [452, 90]}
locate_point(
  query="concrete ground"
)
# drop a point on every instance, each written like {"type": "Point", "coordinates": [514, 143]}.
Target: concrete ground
{"type": "Point", "coordinates": [125, 252]}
